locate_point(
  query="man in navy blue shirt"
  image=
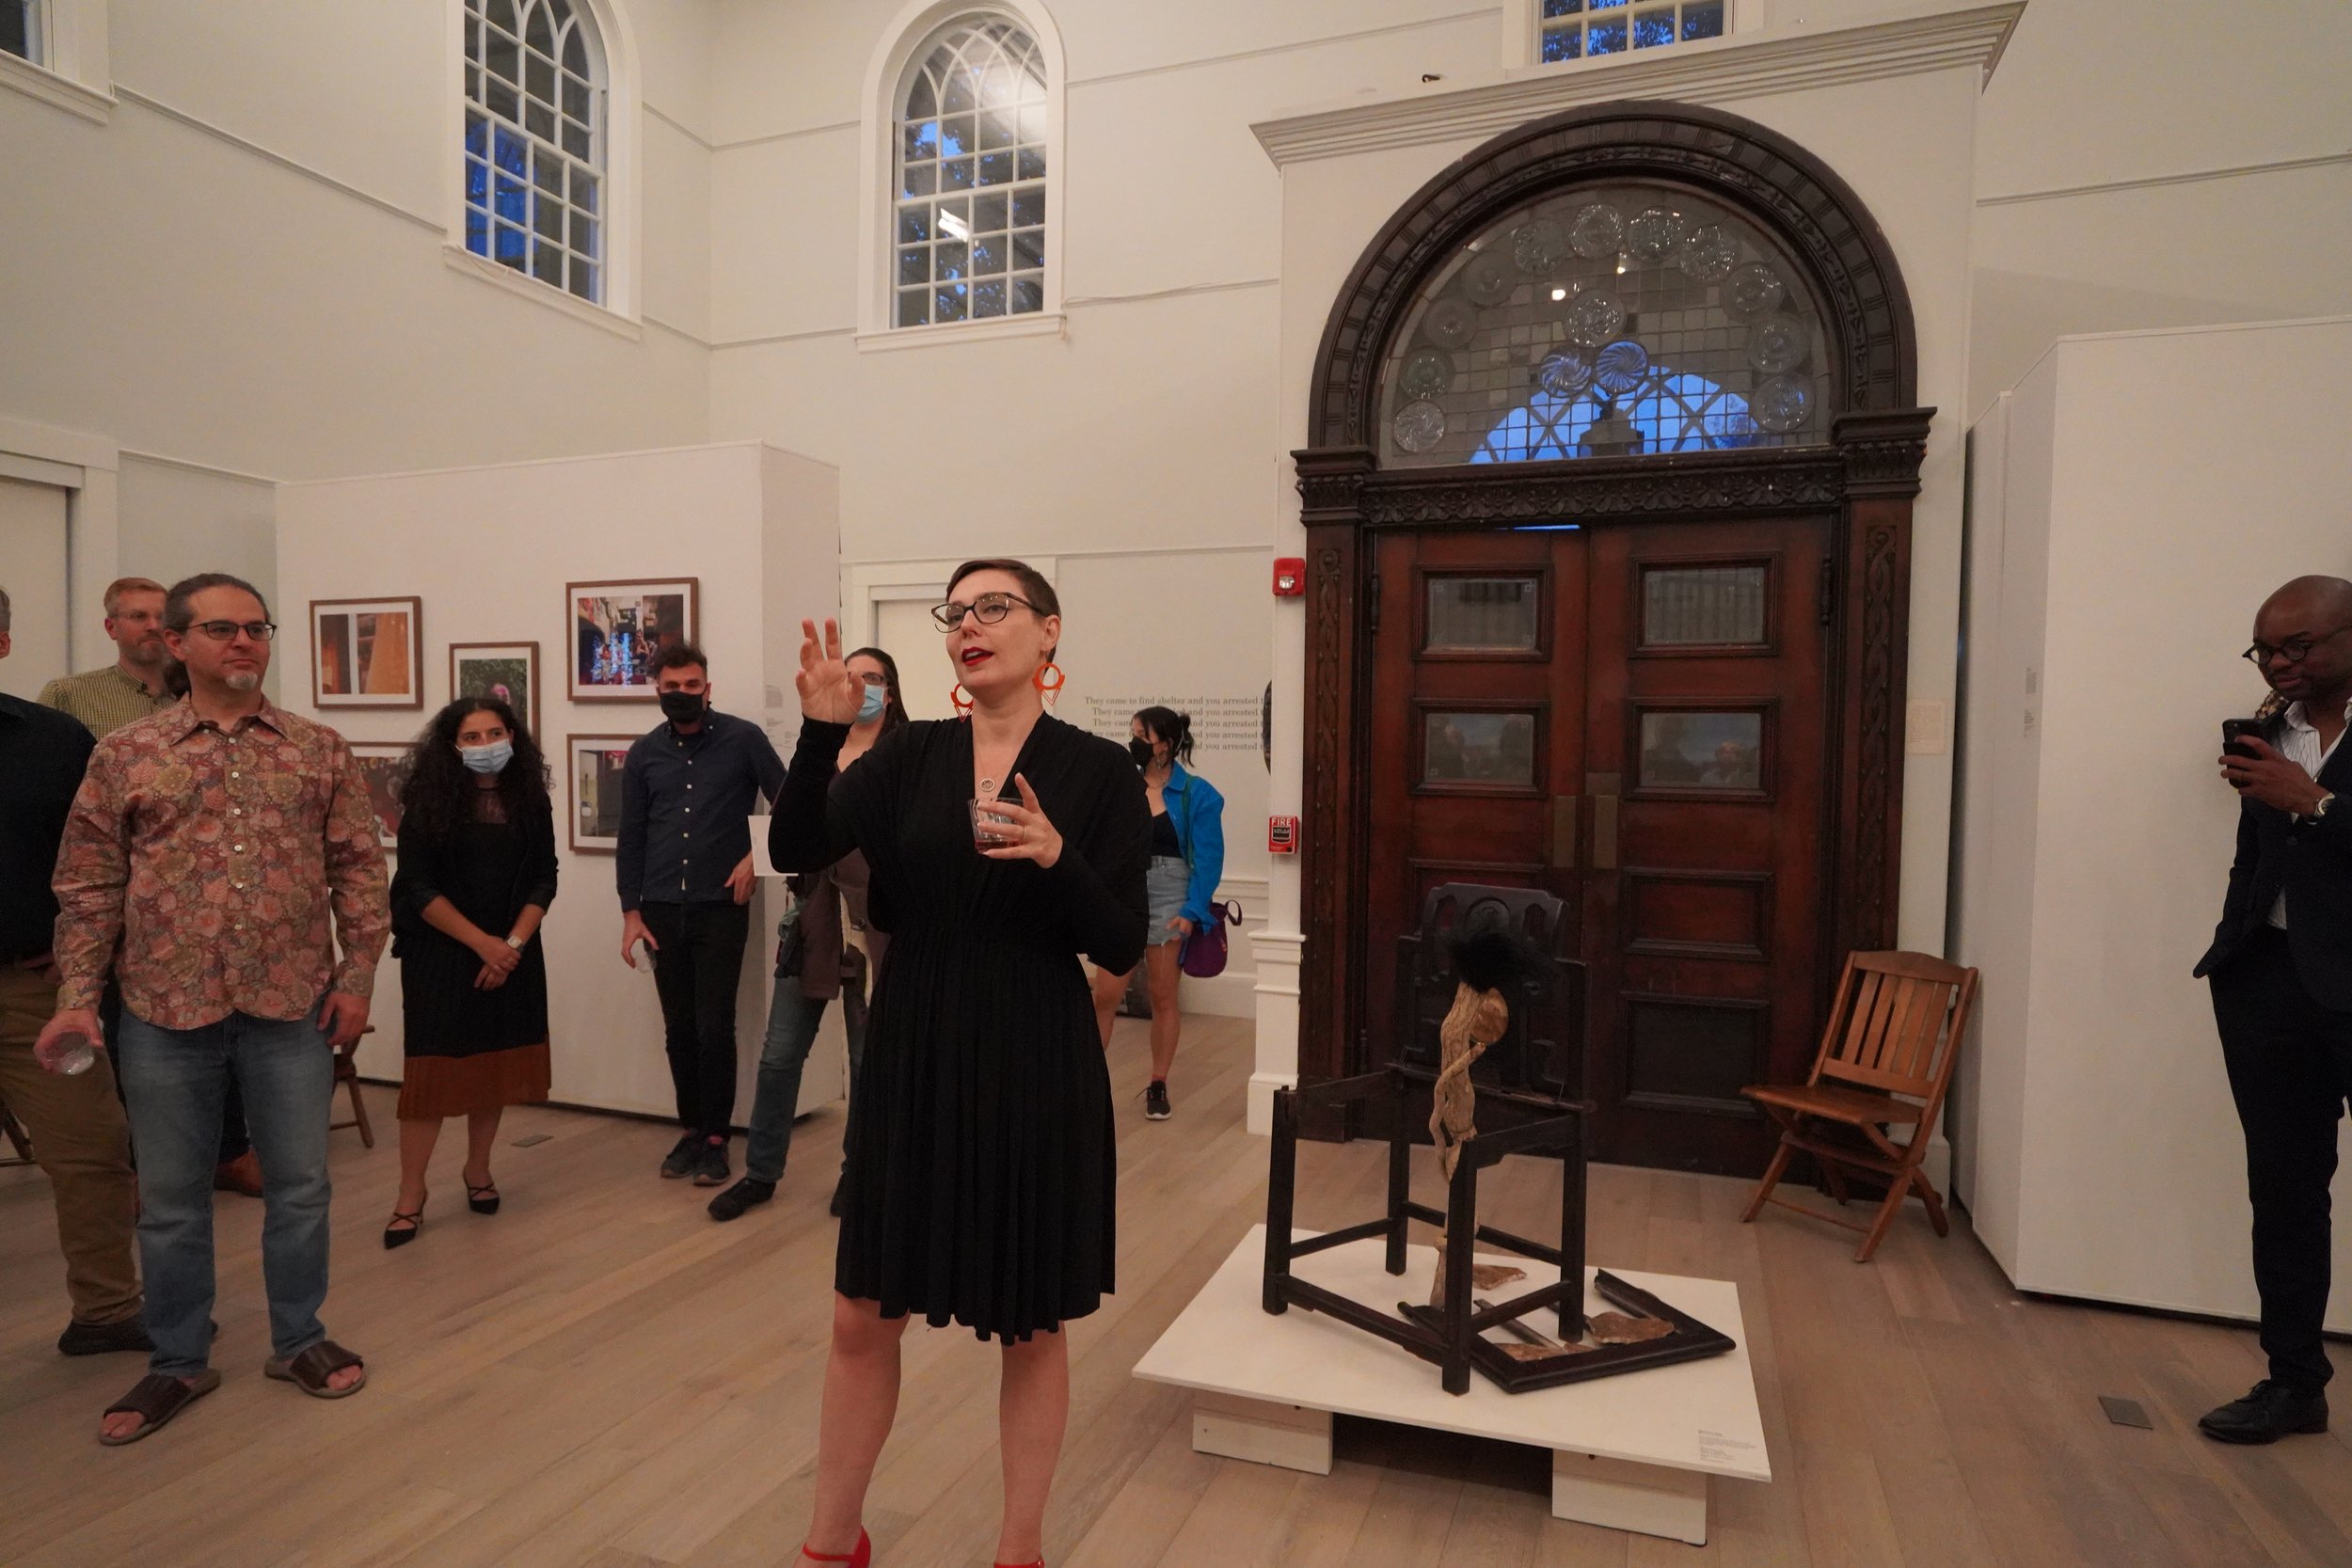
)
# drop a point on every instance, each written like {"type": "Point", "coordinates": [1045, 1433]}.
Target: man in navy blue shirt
{"type": "Point", "coordinates": [687, 792]}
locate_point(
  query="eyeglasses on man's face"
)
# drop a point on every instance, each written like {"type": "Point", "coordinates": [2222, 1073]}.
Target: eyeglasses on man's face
{"type": "Point", "coordinates": [2295, 649]}
{"type": "Point", "coordinates": [221, 631]}
{"type": "Point", "coordinates": [988, 609]}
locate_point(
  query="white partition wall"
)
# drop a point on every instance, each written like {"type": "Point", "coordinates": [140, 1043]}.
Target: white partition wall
{"type": "Point", "coordinates": [2134, 500]}
{"type": "Point", "coordinates": [489, 552]}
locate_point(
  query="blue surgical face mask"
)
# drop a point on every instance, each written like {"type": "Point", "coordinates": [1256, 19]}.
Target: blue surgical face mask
{"type": "Point", "coordinates": [877, 699]}
{"type": "Point", "coordinates": [492, 758]}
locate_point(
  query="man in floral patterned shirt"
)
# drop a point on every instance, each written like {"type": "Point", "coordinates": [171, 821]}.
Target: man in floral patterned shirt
{"type": "Point", "coordinates": [206, 851]}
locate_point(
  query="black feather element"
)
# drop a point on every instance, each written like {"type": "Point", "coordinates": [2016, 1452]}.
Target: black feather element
{"type": "Point", "coordinates": [1490, 958]}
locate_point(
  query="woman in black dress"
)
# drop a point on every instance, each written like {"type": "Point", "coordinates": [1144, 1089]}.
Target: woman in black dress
{"type": "Point", "coordinates": [981, 1163]}
{"type": "Point", "coordinates": [477, 873]}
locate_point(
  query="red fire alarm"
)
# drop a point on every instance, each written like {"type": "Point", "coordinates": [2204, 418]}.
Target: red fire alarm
{"type": "Point", "coordinates": [1289, 578]}
{"type": "Point", "coordinates": [1281, 835]}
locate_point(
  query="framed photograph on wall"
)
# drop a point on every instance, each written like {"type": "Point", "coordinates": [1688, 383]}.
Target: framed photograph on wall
{"type": "Point", "coordinates": [385, 766]}
{"type": "Point", "coordinates": [617, 629]}
{"type": "Point", "coordinates": [507, 670]}
{"type": "Point", "coordinates": [593, 764]}
{"type": "Point", "coordinates": [367, 652]}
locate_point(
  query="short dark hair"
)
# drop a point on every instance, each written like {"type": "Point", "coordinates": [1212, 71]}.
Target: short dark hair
{"type": "Point", "coordinates": [677, 656]}
{"type": "Point", "coordinates": [1034, 587]}
{"type": "Point", "coordinates": [176, 612]}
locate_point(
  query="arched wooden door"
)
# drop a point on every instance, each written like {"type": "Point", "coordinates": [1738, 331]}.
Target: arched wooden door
{"type": "Point", "coordinates": [1609, 525]}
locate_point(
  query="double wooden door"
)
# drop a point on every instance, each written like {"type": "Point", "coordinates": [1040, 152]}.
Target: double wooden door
{"type": "Point", "coordinates": [1634, 718]}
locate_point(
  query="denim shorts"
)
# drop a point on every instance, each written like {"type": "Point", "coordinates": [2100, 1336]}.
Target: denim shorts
{"type": "Point", "coordinates": [1163, 895]}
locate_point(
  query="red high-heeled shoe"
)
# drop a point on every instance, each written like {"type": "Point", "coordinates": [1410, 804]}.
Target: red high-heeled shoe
{"type": "Point", "coordinates": [862, 1556]}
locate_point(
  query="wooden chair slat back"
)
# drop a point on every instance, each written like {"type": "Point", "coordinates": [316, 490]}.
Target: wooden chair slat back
{"type": "Point", "coordinates": [1898, 1024]}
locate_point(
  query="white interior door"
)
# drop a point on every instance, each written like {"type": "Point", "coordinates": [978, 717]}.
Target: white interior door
{"type": "Point", "coordinates": [32, 570]}
{"type": "Point", "coordinates": [904, 629]}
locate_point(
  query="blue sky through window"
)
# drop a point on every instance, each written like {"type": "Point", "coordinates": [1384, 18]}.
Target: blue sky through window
{"type": "Point", "coordinates": [1672, 411]}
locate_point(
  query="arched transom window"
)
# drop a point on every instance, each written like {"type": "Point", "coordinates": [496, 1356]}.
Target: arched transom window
{"type": "Point", "coordinates": [1613, 320]}
{"type": "Point", "coordinates": [535, 141]}
{"type": "Point", "coordinates": [968, 193]}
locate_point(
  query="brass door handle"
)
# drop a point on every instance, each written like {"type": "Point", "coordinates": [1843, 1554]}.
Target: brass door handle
{"type": "Point", "coordinates": [1604, 788]}
{"type": "Point", "coordinates": [1563, 833]}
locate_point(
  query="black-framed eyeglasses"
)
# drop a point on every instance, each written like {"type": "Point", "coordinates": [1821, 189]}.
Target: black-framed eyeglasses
{"type": "Point", "coordinates": [988, 609]}
{"type": "Point", "coordinates": [2295, 649]}
{"type": "Point", "coordinates": [221, 631]}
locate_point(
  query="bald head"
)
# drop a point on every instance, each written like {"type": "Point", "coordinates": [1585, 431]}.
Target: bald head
{"type": "Point", "coordinates": [2301, 635]}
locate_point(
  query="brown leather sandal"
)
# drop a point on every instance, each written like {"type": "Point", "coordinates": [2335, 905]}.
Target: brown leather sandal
{"type": "Point", "coordinates": [309, 1369]}
{"type": "Point", "coordinates": [156, 1398]}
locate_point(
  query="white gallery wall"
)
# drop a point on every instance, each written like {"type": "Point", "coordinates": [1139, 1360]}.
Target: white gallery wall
{"type": "Point", "coordinates": [489, 552]}
{"type": "Point", "coordinates": [2125, 524]}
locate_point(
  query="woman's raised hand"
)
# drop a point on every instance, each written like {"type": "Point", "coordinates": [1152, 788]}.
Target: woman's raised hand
{"type": "Point", "coordinates": [829, 693]}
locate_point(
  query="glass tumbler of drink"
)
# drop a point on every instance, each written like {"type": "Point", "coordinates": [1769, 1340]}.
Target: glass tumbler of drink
{"type": "Point", "coordinates": [988, 827]}
{"type": "Point", "coordinates": [70, 1055]}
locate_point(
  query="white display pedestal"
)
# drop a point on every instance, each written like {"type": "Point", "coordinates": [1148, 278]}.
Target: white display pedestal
{"type": "Point", "coordinates": [1631, 1452]}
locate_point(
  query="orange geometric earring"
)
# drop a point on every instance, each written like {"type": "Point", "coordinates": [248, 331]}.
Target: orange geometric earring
{"type": "Point", "coordinates": [1049, 689]}
{"type": "Point", "coordinates": [960, 698]}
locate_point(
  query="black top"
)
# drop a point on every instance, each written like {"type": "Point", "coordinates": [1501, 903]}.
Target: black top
{"type": "Point", "coordinates": [1164, 841]}
{"type": "Point", "coordinates": [686, 800]}
{"type": "Point", "coordinates": [981, 1163]}
{"type": "Point", "coordinates": [2312, 863]}
{"type": "Point", "coordinates": [42, 753]}
{"type": "Point", "coordinates": [488, 871]}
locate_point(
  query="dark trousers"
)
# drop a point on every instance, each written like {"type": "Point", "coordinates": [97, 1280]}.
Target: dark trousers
{"type": "Point", "coordinates": [697, 964]}
{"type": "Point", "coordinates": [234, 1139]}
{"type": "Point", "coordinates": [2290, 1064]}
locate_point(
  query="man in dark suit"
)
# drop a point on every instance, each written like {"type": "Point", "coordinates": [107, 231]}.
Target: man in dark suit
{"type": "Point", "coordinates": [2281, 965]}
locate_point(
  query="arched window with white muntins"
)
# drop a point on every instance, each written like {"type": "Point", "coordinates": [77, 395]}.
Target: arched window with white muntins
{"type": "Point", "coordinates": [537, 141]}
{"type": "Point", "coordinates": [968, 196]}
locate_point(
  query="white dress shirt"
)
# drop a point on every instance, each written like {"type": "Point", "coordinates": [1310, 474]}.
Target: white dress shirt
{"type": "Point", "coordinates": [2299, 742]}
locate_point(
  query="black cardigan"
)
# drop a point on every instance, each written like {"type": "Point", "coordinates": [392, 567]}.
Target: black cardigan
{"type": "Point", "coordinates": [425, 870]}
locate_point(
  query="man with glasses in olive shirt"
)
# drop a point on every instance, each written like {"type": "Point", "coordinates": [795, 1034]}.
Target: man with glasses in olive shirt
{"type": "Point", "coordinates": [76, 1119]}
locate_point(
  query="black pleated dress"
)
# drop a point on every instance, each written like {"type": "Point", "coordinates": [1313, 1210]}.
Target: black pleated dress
{"type": "Point", "coordinates": [982, 1171]}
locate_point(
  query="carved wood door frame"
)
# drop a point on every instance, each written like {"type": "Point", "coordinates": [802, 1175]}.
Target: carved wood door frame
{"type": "Point", "coordinates": [1867, 476]}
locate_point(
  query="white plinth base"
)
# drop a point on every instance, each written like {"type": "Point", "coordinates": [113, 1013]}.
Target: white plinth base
{"type": "Point", "coordinates": [1632, 1453]}
{"type": "Point", "coordinates": [1648, 1499]}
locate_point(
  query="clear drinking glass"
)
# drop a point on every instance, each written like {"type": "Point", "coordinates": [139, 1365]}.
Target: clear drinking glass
{"type": "Point", "coordinates": [988, 827]}
{"type": "Point", "coordinates": [70, 1055]}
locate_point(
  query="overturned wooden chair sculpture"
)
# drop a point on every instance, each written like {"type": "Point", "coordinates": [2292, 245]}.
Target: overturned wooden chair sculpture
{"type": "Point", "coordinates": [1490, 1019]}
{"type": "Point", "coordinates": [1885, 1061]}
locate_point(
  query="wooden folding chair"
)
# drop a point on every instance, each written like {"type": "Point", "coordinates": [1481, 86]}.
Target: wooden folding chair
{"type": "Point", "coordinates": [1885, 1061]}
{"type": "Point", "coordinates": [347, 1074]}
{"type": "Point", "coordinates": [20, 1145]}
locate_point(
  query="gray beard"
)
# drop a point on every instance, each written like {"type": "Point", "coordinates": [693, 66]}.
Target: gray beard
{"type": "Point", "coordinates": [244, 680]}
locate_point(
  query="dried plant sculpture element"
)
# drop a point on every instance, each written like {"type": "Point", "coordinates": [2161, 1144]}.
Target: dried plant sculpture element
{"type": "Point", "coordinates": [1487, 1276]}
{"type": "Point", "coordinates": [1615, 1328]}
{"type": "Point", "coordinates": [1483, 962]}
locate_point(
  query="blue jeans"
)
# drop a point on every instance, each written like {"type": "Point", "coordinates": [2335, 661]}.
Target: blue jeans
{"type": "Point", "coordinates": [174, 1082]}
{"type": "Point", "coordinates": [792, 1020]}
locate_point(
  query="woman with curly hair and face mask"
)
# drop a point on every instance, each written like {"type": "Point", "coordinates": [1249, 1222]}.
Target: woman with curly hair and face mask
{"type": "Point", "coordinates": [477, 873]}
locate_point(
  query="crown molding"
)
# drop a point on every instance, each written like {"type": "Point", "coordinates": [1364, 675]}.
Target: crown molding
{"type": "Point", "coordinates": [1714, 70]}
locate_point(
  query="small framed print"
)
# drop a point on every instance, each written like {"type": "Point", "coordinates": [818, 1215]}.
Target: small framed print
{"type": "Point", "coordinates": [367, 652]}
{"type": "Point", "coordinates": [618, 629]}
{"type": "Point", "coordinates": [507, 670]}
{"type": "Point", "coordinates": [385, 766]}
{"type": "Point", "coordinates": [593, 764]}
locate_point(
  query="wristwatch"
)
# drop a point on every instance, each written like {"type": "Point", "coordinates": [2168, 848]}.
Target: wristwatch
{"type": "Point", "coordinates": [2320, 810]}
{"type": "Point", "coordinates": [516, 943]}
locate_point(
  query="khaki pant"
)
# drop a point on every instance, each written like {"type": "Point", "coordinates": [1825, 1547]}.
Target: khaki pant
{"type": "Point", "coordinates": [80, 1138]}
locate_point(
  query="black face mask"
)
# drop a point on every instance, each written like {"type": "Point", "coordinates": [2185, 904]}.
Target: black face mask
{"type": "Point", "coordinates": [1141, 751]}
{"type": "Point", "coordinates": [683, 707]}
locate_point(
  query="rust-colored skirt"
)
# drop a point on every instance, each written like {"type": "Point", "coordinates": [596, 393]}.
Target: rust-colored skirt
{"type": "Point", "coordinates": [436, 1086]}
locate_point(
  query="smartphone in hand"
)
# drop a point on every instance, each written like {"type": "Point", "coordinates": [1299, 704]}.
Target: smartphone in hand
{"type": "Point", "coordinates": [2234, 734]}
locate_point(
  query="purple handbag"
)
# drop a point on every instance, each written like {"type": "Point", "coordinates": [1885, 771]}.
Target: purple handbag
{"type": "Point", "coordinates": [1202, 956]}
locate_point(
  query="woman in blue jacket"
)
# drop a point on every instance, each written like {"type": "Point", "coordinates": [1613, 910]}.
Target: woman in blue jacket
{"type": "Point", "coordinates": [1187, 861]}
